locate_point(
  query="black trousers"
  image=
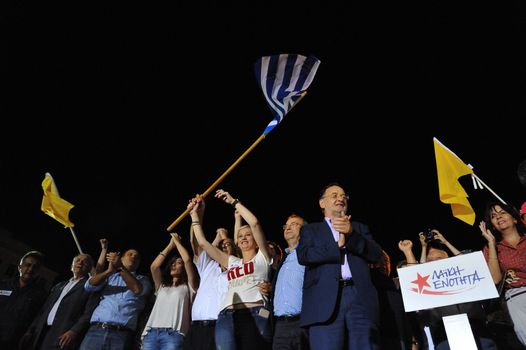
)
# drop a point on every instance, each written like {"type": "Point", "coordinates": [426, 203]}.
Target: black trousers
{"type": "Point", "coordinates": [200, 337]}
{"type": "Point", "coordinates": [288, 335]}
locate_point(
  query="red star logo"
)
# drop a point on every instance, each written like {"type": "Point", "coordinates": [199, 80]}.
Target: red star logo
{"type": "Point", "coordinates": [421, 282]}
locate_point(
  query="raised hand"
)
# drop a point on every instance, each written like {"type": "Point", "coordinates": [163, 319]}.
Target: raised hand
{"type": "Point", "coordinates": [342, 224]}
{"type": "Point", "coordinates": [439, 236]}
{"type": "Point", "coordinates": [405, 245]}
{"type": "Point", "coordinates": [175, 239]}
{"type": "Point", "coordinates": [422, 239]}
{"type": "Point", "coordinates": [222, 233]}
{"type": "Point", "coordinates": [114, 260]}
{"type": "Point", "coordinates": [224, 196]}
{"type": "Point", "coordinates": [103, 243]}
{"type": "Point", "coordinates": [486, 233]}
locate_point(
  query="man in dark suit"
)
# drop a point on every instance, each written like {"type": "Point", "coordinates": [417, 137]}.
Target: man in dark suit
{"type": "Point", "coordinates": [340, 303]}
{"type": "Point", "coordinates": [65, 316]}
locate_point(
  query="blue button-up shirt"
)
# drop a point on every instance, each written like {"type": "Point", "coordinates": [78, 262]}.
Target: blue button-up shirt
{"type": "Point", "coordinates": [289, 286]}
{"type": "Point", "coordinates": [118, 304]}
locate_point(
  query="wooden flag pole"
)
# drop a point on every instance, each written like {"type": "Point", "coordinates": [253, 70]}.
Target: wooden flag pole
{"type": "Point", "coordinates": [216, 182]}
{"type": "Point", "coordinates": [229, 170]}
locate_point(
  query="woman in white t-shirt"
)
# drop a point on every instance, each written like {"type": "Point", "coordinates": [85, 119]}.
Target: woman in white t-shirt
{"type": "Point", "coordinates": [175, 288]}
{"type": "Point", "coordinates": [243, 322]}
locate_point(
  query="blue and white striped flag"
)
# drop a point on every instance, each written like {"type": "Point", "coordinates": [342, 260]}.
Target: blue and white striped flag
{"type": "Point", "coordinates": [284, 78]}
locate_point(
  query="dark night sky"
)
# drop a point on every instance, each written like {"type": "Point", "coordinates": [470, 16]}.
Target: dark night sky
{"type": "Point", "coordinates": [134, 108]}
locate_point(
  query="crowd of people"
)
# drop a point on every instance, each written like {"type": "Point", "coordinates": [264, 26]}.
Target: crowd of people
{"type": "Point", "coordinates": [330, 288]}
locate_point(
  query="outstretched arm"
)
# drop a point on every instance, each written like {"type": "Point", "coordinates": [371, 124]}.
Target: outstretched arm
{"type": "Point", "coordinates": [193, 278]}
{"type": "Point", "coordinates": [238, 222]}
{"type": "Point", "coordinates": [250, 218]}
{"type": "Point", "coordinates": [444, 241]}
{"type": "Point", "coordinates": [406, 246]}
{"type": "Point", "coordinates": [423, 243]}
{"type": "Point", "coordinates": [155, 267]}
{"type": "Point", "coordinates": [99, 267]}
{"type": "Point", "coordinates": [193, 241]}
{"type": "Point", "coordinates": [213, 252]}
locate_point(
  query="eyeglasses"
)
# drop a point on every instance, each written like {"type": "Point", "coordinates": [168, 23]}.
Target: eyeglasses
{"type": "Point", "coordinates": [226, 245]}
{"type": "Point", "coordinates": [338, 196]}
{"type": "Point", "coordinates": [291, 225]}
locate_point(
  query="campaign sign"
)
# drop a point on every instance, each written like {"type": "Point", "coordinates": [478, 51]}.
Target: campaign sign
{"type": "Point", "coordinates": [455, 280]}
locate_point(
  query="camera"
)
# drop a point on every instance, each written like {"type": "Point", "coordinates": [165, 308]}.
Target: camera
{"type": "Point", "coordinates": [429, 235]}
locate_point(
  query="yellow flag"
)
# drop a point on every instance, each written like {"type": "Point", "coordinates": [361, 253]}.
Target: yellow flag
{"type": "Point", "coordinates": [449, 169]}
{"type": "Point", "coordinates": [53, 205]}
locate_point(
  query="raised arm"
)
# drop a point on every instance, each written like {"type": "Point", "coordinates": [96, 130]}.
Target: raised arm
{"type": "Point", "coordinates": [155, 267]}
{"type": "Point", "coordinates": [221, 234]}
{"type": "Point", "coordinates": [238, 222]}
{"type": "Point", "coordinates": [101, 261]}
{"type": "Point", "coordinates": [493, 259]}
{"type": "Point", "coordinates": [196, 249]}
{"type": "Point", "coordinates": [193, 278]}
{"type": "Point", "coordinates": [251, 220]}
{"type": "Point", "coordinates": [131, 281]}
{"type": "Point", "coordinates": [406, 246]}
{"type": "Point", "coordinates": [100, 278]}
{"type": "Point", "coordinates": [213, 252]}
{"type": "Point", "coordinates": [423, 251]}
{"type": "Point", "coordinates": [444, 241]}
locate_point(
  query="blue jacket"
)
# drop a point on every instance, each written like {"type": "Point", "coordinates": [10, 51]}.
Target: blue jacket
{"type": "Point", "coordinates": [319, 252]}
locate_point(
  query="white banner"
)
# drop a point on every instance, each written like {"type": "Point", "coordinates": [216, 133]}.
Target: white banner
{"type": "Point", "coordinates": [455, 280]}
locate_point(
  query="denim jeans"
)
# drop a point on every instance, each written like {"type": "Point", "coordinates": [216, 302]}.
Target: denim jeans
{"type": "Point", "coordinates": [162, 339]}
{"type": "Point", "coordinates": [99, 338]}
{"type": "Point", "coordinates": [242, 329]}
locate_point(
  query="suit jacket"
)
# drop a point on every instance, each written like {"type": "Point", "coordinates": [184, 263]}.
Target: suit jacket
{"type": "Point", "coordinates": [73, 313]}
{"type": "Point", "coordinates": [319, 252]}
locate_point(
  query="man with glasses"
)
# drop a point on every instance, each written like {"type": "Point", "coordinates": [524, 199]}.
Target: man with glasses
{"type": "Point", "coordinates": [287, 292]}
{"type": "Point", "coordinates": [340, 303]}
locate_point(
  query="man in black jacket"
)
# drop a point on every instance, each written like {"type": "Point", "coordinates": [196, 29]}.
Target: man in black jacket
{"type": "Point", "coordinates": [65, 316]}
{"type": "Point", "coordinates": [20, 299]}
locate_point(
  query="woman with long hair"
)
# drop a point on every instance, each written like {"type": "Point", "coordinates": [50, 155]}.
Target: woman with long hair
{"type": "Point", "coordinates": [175, 287]}
{"type": "Point", "coordinates": [243, 322]}
{"type": "Point", "coordinates": [506, 257]}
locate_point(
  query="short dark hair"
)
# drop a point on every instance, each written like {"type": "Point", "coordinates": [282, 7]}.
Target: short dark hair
{"type": "Point", "coordinates": [293, 215]}
{"type": "Point", "coordinates": [436, 244]}
{"type": "Point", "coordinates": [34, 254]}
{"type": "Point", "coordinates": [324, 189]}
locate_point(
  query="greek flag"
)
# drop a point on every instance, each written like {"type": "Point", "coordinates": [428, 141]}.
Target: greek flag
{"type": "Point", "coordinates": [284, 79]}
